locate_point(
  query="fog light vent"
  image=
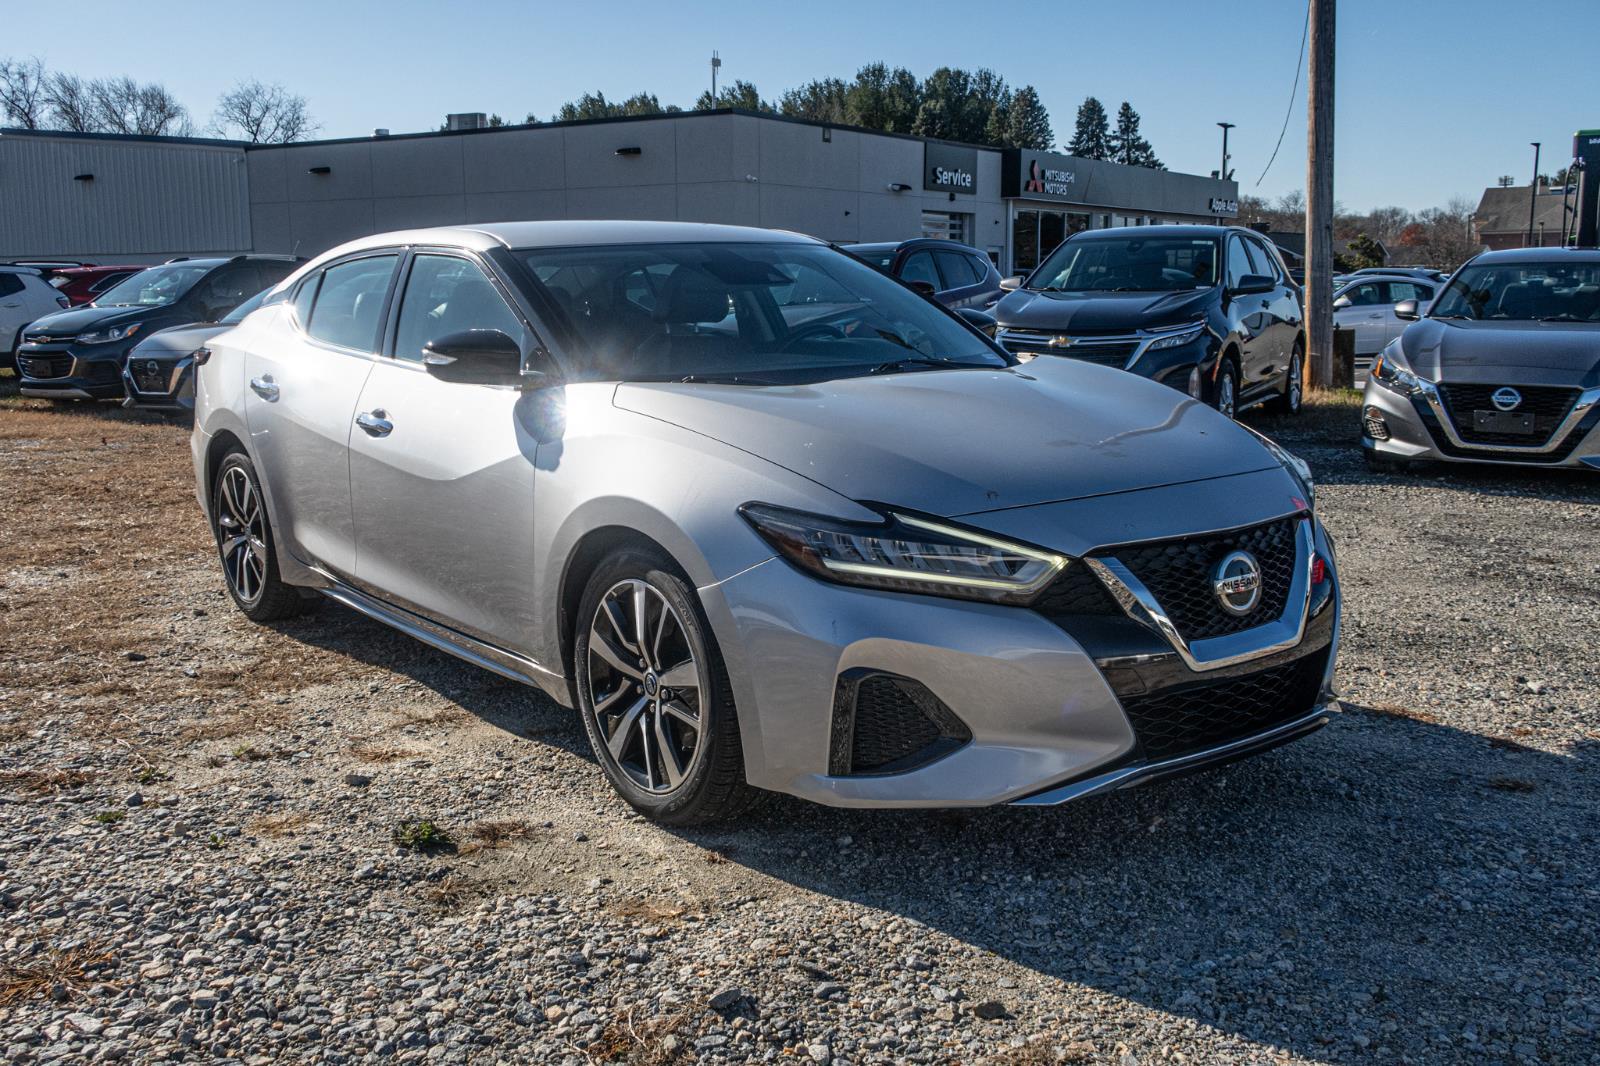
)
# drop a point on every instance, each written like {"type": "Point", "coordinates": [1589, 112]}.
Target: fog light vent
{"type": "Point", "coordinates": [886, 724]}
{"type": "Point", "coordinates": [1372, 421]}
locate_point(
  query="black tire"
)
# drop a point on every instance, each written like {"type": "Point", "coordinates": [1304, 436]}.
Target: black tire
{"type": "Point", "coordinates": [250, 570]}
{"type": "Point", "coordinates": [1288, 401]}
{"type": "Point", "coordinates": [712, 786]}
{"type": "Point", "coordinates": [1225, 390]}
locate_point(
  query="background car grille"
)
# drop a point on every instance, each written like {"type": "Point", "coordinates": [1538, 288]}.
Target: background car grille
{"type": "Point", "coordinates": [1546, 403]}
{"type": "Point", "coordinates": [1178, 575]}
{"type": "Point", "coordinates": [147, 380]}
{"type": "Point", "coordinates": [888, 724]}
{"type": "Point", "coordinates": [1192, 717]}
{"type": "Point", "coordinates": [45, 366]}
{"type": "Point", "coordinates": [1108, 351]}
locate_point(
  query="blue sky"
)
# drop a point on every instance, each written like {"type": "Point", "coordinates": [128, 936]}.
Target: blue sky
{"type": "Point", "coordinates": [1434, 100]}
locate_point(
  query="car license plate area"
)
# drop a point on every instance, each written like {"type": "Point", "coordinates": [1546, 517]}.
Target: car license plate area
{"type": "Point", "coordinates": [151, 380]}
{"type": "Point", "coordinates": [1503, 422]}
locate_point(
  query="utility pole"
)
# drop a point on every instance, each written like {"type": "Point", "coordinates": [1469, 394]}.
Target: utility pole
{"type": "Point", "coordinates": [1533, 191]}
{"type": "Point", "coordinates": [1226, 126]}
{"type": "Point", "coordinates": [1319, 195]}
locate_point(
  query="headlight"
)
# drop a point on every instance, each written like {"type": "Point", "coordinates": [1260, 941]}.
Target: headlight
{"type": "Point", "coordinates": [106, 336]}
{"type": "Point", "coordinates": [1298, 468]}
{"type": "Point", "coordinates": [1177, 340]}
{"type": "Point", "coordinates": [907, 554]}
{"type": "Point", "coordinates": [1390, 371]}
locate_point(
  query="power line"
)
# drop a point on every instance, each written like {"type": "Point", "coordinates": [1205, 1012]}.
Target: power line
{"type": "Point", "coordinates": [1289, 112]}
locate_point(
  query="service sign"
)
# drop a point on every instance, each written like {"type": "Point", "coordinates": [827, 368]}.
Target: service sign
{"type": "Point", "coordinates": [950, 168]}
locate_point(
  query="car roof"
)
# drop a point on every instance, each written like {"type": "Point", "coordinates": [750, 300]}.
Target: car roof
{"type": "Point", "coordinates": [14, 268]}
{"type": "Point", "coordinates": [1166, 231]}
{"type": "Point", "coordinates": [910, 242]}
{"type": "Point", "coordinates": [571, 234]}
{"type": "Point", "coordinates": [1540, 255]}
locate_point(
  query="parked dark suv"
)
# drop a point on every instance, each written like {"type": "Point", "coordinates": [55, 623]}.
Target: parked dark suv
{"type": "Point", "coordinates": [78, 354]}
{"type": "Point", "coordinates": [953, 273]}
{"type": "Point", "coordinates": [1208, 310]}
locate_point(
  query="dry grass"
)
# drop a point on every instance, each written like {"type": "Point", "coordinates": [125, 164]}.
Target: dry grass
{"type": "Point", "coordinates": [381, 754]}
{"type": "Point", "coordinates": [46, 782]}
{"type": "Point", "coordinates": [488, 835]}
{"type": "Point", "coordinates": [279, 825]}
{"type": "Point", "coordinates": [69, 971]}
{"type": "Point", "coordinates": [449, 893]}
{"type": "Point", "coordinates": [648, 910]}
{"type": "Point", "coordinates": [1042, 1051]}
{"type": "Point", "coordinates": [640, 1042]}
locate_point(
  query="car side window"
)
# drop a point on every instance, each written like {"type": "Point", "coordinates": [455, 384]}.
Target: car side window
{"type": "Point", "coordinates": [10, 284]}
{"type": "Point", "coordinates": [1238, 262]}
{"type": "Point", "coordinates": [446, 294]}
{"type": "Point", "coordinates": [919, 267]}
{"type": "Point", "coordinates": [1265, 260]}
{"type": "Point", "coordinates": [109, 280]}
{"type": "Point", "coordinates": [1367, 294]}
{"type": "Point", "coordinates": [349, 303]}
{"type": "Point", "coordinates": [229, 287]}
{"type": "Point", "coordinates": [956, 270]}
{"type": "Point", "coordinates": [304, 295]}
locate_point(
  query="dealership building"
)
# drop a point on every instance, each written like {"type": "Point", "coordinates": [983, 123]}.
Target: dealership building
{"type": "Point", "coordinates": [107, 198]}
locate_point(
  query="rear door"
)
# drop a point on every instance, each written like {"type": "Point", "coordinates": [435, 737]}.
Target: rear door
{"type": "Point", "coordinates": [1368, 314]}
{"type": "Point", "coordinates": [442, 475]}
{"type": "Point", "coordinates": [1283, 311]}
{"type": "Point", "coordinates": [1253, 313]}
{"type": "Point", "coordinates": [14, 308]}
{"type": "Point", "coordinates": [301, 402]}
{"type": "Point", "coordinates": [961, 286]}
{"type": "Point", "coordinates": [1405, 290]}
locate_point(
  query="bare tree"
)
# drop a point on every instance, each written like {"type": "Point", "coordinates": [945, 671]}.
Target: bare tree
{"type": "Point", "coordinates": [122, 105]}
{"type": "Point", "coordinates": [71, 103]}
{"type": "Point", "coordinates": [22, 93]}
{"type": "Point", "coordinates": [263, 114]}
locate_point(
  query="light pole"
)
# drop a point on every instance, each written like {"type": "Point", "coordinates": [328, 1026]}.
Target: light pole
{"type": "Point", "coordinates": [1226, 126]}
{"type": "Point", "coordinates": [1533, 190]}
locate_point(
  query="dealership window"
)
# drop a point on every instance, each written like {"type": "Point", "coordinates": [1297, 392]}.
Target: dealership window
{"type": "Point", "coordinates": [1035, 234]}
{"type": "Point", "coordinates": [944, 224]}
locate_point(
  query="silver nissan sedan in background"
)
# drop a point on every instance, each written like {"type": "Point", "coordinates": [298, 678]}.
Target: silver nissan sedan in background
{"type": "Point", "coordinates": [766, 517]}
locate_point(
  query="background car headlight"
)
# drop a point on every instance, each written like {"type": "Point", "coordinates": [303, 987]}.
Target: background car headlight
{"type": "Point", "coordinates": [1176, 340]}
{"type": "Point", "coordinates": [1390, 371]}
{"type": "Point", "coordinates": [906, 553]}
{"type": "Point", "coordinates": [106, 336]}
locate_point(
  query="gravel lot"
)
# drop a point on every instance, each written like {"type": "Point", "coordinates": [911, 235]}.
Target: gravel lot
{"type": "Point", "coordinates": [199, 855]}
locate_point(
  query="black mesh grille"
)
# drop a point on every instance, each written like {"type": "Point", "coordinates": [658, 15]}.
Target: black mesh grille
{"type": "Point", "coordinates": [1547, 404]}
{"type": "Point", "coordinates": [1188, 718]}
{"type": "Point", "coordinates": [45, 366]}
{"type": "Point", "coordinates": [1077, 592]}
{"type": "Point", "coordinates": [1106, 353]}
{"type": "Point", "coordinates": [887, 724]}
{"type": "Point", "coordinates": [1522, 454]}
{"type": "Point", "coordinates": [1178, 574]}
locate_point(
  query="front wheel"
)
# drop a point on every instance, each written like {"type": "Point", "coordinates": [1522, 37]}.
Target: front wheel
{"type": "Point", "coordinates": [654, 694]}
{"type": "Point", "coordinates": [244, 541]}
{"type": "Point", "coordinates": [1225, 393]}
{"type": "Point", "coordinates": [1288, 402]}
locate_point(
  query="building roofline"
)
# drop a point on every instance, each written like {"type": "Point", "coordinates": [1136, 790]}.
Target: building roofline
{"type": "Point", "coordinates": [149, 138]}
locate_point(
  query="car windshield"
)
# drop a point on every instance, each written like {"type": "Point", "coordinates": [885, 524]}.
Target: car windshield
{"type": "Point", "coordinates": [1544, 292]}
{"type": "Point", "coordinates": [238, 313]}
{"type": "Point", "coordinates": [745, 314]}
{"type": "Point", "coordinates": [156, 287]}
{"type": "Point", "coordinates": [1128, 264]}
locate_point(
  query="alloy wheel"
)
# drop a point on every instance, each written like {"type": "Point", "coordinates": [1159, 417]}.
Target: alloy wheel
{"type": "Point", "coordinates": [242, 534]}
{"type": "Point", "coordinates": [1225, 395]}
{"type": "Point", "coordinates": [1296, 385]}
{"type": "Point", "coordinates": [645, 687]}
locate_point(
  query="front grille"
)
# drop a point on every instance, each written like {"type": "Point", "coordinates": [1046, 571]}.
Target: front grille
{"type": "Point", "coordinates": [1106, 351]}
{"type": "Point", "coordinates": [1074, 594]}
{"type": "Point", "coordinates": [888, 724]}
{"type": "Point", "coordinates": [149, 380]}
{"type": "Point", "coordinates": [1192, 717]}
{"type": "Point", "coordinates": [1523, 453]}
{"type": "Point", "coordinates": [1546, 403]}
{"type": "Point", "coordinates": [40, 367]}
{"type": "Point", "coordinates": [1178, 574]}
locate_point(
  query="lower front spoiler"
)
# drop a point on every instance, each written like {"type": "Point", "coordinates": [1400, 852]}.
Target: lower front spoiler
{"type": "Point", "coordinates": [1143, 773]}
{"type": "Point", "coordinates": [60, 394]}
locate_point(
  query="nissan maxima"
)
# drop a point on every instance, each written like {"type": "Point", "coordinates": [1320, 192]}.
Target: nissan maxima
{"type": "Point", "coordinates": [765, 517]}
{"type": "Point", "coordinates": [1504, 367]}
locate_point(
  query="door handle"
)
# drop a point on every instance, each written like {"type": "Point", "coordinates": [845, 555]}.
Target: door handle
{"type": "Point", "coordinates": [10, 305]}
{"type": "Point", "coordinates": [375, 423]}
{"type": "Point", "coordinates": [1376, 314]}
{"type": "Point", "coordinates": [264, 387]}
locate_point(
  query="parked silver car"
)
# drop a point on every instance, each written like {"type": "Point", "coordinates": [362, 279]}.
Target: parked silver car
{"type": "Point", "coordinates": [765, 516]}
{"type": "Point", "coordinates": [1501, 368]}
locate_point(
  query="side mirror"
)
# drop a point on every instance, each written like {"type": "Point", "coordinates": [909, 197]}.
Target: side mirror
{"type": "Point", "coordinates": [923, 288]}
{"type": "Point", "coordinates": [1012, 284]}
{"type": "Point", "coordinates": [1341, 303]}
{"type": "Point", "coordinates": [1407, 310]}
{"type": "Point", "coordinates": [474, 357]}
{"type": "Point", "coordinates": [982, 321]}
{"type": "Point", "coordinates": [1253, 283]}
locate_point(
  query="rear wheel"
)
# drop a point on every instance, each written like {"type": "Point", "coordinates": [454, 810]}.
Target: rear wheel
{"type": "Point", "coordinates": [654, 694]}
{"type": "Point", "coordinates": [244, 541]}
{"type": "Point", "coordinates": [1225, 393]}
{"type": "Point", "coordinates": [1288, 402]}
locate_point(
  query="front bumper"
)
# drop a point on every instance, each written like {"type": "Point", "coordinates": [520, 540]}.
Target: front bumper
{"type": "Point", "coordinates": [1042, 709]}
{"type": "Point", "coordinates": [1422, 426]}
{"type": "Point", "coordinates": [59, 370]}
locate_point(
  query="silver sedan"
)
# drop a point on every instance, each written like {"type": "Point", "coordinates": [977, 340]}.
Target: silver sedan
{"type": "Point", "coordinates": [767, 518]}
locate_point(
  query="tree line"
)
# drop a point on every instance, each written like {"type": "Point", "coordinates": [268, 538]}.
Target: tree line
{"type": "Point", "coordinates": [33, 97]}
{"type": "Point", "coordinates": [1439, 237]}
{"type": "Point", "coordinates": [977, 107]}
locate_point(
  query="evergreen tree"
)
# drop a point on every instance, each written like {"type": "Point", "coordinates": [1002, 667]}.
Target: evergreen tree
{"type": "Point", "coordinates": [595, 105]}
{"type": "Point", "coordinates": [1027, 124]}
{"type": "Point", "coordinates": [883, 99]}
{"type": "Point", "coordinates": [1092, 137]}
{"type": "Point", "coordinates": [740, 94]}
{"type": "Point", "coordinates": [825, 100]}
{"type": "Point", "coordinates": [1127, 146]}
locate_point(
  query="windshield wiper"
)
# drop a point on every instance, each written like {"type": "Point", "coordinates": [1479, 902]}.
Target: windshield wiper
{"type": "Point", "coordinates": [722, 379]}
{"type": "Point", "coordinates": [1565, 316]}
{"type": "Point", "coordinates": [1464, 318]}
{"type": "Point", "coordinates": [896, 365]}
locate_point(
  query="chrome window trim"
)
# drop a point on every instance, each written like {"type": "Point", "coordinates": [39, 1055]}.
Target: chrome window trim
{"type": "Point", "coordinates": [1585, 402]}
{"type": "Point", "coordinates": [1214, 653]}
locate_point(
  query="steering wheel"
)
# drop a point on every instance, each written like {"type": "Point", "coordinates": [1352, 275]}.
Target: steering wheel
{"type": "Point", "coordinates": [827, 329]}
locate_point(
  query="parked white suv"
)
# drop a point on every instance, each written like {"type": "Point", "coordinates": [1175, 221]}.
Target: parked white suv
{"type": "Point", "coordinates": [24, 296]}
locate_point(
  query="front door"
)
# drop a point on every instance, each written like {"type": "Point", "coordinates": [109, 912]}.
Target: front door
{"type": "Point", "coordinates": [441, 473]}
{"type": "Point", "coordinates": [1368, 314]}
{"type": "Point", "coordinates": [301, 399]}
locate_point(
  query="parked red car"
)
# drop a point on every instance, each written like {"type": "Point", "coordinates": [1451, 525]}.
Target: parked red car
{"type": "Point", "coordinates": [81, 285]}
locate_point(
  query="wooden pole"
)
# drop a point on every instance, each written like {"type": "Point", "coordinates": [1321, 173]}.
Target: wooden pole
{"type": "Point", "coordinates": [1319, 195]}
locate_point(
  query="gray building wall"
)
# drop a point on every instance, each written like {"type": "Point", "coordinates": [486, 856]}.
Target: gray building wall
{"type": "Point", "coordinates": [148, 201]}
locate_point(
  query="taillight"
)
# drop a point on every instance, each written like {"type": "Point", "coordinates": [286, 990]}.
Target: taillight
{"type": "Point", "coordinates": [1319, 570]}
{"type": "Point", "coordinates": [202, 354]}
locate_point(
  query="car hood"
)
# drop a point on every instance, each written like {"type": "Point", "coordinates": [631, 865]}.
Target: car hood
{"type": "Point", "coordinates": [1495, 353]}
{"type": "Point", "coordinates": [953, 442]}
{"type": "Point", "coordinates": [83, 319]}
{"type": "Point", "coordinates": [1100, 312]}
{"type": "Point", "coordinates": [177, 340]}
